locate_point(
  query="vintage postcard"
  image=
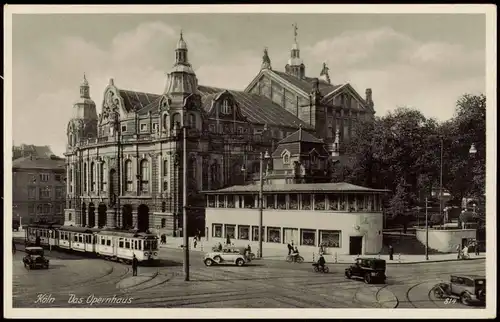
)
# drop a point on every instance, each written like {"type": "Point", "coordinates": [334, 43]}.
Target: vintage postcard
{"type": "Point", "coordinates": [337, 160]}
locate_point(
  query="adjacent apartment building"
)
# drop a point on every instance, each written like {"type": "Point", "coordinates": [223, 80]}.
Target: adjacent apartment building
{"type": "Point", "coordinates": [38, 189]}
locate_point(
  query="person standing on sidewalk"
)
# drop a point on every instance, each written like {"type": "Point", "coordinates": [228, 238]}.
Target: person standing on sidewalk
{"type": "Point", "coordinates": [195, 241]}
{"type": "Point", "coordinates": [476, 248]}
{"type": "Point", "coordinates": [391, 253]}
{"type": "Point", "coordinates": [135, 263]}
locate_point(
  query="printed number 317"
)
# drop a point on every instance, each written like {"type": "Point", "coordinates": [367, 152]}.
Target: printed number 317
{"type": "Point", "coordinates": [450, 301]}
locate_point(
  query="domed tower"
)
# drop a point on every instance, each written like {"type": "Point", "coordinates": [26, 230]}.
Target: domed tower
{"type": "Point", "coordinates": [83, 123]}
{"type": "Point", "coordinates": [181, 79]}
{"type": "Point", "coordinates": [295, 64]}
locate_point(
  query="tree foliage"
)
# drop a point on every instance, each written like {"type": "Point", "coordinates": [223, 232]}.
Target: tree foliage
{"type": "Point", "coordinates": [402, 152]}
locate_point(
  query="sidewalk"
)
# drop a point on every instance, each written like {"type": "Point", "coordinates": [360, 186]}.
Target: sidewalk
{"type": "Point", "coordinates": [276, 254]}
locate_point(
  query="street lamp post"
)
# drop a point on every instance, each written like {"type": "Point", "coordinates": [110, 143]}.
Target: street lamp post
{"type": "Point", "coordinates": [184, 204]}
{"type": "Point", "coordinates": [261, 187]}
{"type": "Point", "coordinates": [426, 231]}
{"type": "Point", "coordinates": [441, 182]}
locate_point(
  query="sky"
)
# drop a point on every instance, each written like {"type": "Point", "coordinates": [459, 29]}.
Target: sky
{"type": "Point", "coordinates": [424, 61]}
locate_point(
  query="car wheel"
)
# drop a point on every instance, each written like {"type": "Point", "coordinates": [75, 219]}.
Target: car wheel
{"type": "Point", "coordinates": [348, 275]}
{"type": "Point", "coordinates": [438, 293]}
{"type": "Point", "coordinates": [208, 262]}
{"type": "Point", "coordinates": [240, 262]}
{"type": "Point", "coordinates": [217, 259]}
{"type": "Point", "coordinates": [368, 278]}
{"type": "Point", "coordinates": [465, 298]}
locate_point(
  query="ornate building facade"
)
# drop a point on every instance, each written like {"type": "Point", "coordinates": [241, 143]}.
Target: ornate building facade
{"type": "Point", "coordinates": [124, 165]}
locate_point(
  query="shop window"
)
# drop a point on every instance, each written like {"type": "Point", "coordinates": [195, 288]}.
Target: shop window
{"type": "Point", "coordinates": [274, 235]}
{"type": "Point", "coordinates": [230, 201]}
{"type": "Point", "coordinates": [294, 202]}
{"type": "Point", "coordinates": [333, 202]}
{"type": "Point", "coordinates": [244, 232]}
{"type": "Point", "coordinates": [249, 201]}
{"type": "Point", "coordinates": [269, 202]}
{"type": "Point", "coordinates": [281, 198]}
{"type": "Point", "coordinates": [330, 238]}
{"type": "Point", "coordinates": [308, 237]}
{"type": "Point", "coordinates": [255, 233]}
{"type": "Point", "coordinates": [306, 202]}
{"type": "Point", "coordinates": [319, 202]}
{"type": "Point", "coordinates": [230, 231]}
{"type": "Point", "coordinates": [211, 201]}
{"type": "Point", "coordinates": [217, 230]}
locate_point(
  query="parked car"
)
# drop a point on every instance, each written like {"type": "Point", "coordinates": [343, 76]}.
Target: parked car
{"type": "Point", "coordinates": [228, 255]}
{"type": "Point", "coordinates": [468, 288]}
{"type": "Point", "coordinates": [370, 269]}
{"type": "Point", "coordinates": [35, 258]}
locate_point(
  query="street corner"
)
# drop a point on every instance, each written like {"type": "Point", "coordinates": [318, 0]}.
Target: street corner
{"type": "Point", "coordinates": [133, 281]}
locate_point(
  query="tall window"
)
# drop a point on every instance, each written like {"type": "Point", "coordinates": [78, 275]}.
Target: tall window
{"type": "Point", "coordinates": [226, 109]}
{"type": "Point", "coordinates": [144, 175]}
{"type": "Point", "coordinates": [92, 176]}
{"type": "Point", "coordinates": [128, 175]}
{"type": "Point", "coordinates": [104, 176]}
{"type": "Point", "coordinates": [44, 193]}
{"type": "Point", "coordinates": [85, 177]}
{"type": "Point", "coordinates": [44, 177]}
{"type": "Point", "coordinates": [192, 121]}
{"type": "Point", "coordinates": [165, 175]}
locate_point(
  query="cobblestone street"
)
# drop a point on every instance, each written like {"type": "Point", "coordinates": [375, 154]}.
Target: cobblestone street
{"type": "Point", "coordinates": [75, 281]}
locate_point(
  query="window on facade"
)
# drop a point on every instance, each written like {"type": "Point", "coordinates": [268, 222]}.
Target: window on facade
{"type": "Point", "coordinates": [273, 234]}
{"type": "Point", "coordinates": [290, 235]}
{"type": "Point", "coordinates": [144, 127]}
{"type": "Point", "coordinates": [108, 242]}
{"type": "Point", "coordinates": [226, 109]}
{"type": "Point", "coordinates": [343, 202]}
{"type": "Point", "coordinates": [269, 201]}
{"type": "Point", "coordinates": [31, 209]}
{"type": "Point", "coordinates": [46, 208]}
{"type": "Point", "coordinates": [281, 199]}
{"type": "Point", "coordinates": [244, 232]}
{"type": "Point", "coordinates": [104, 176]}
{"type": "Point", "coordinates": [127, 243]}
{"type": "Point", "coordinates": [306, 201]}
{"type": "Point", "coordinates": [155, 127]}
{"type": "Point", "coordinates": [69, 217]}
{"type": "Point", "coordinates": [249, 201]}
{"type": "Point", "coordinates": [128, 175]}
{"type": "Point", "coordinates": [352, 202]}
{"type": "Point", "coordinates": [44, 193]}
{"type": "Point", "coordinates": [44, 177]}
{"type": "Point", "coordinates": [85, 177]}
{"type": "Point", "coordinates": [59, 192]}
{"type": "Point", "coordinates": [319, 201]}
{"type": "Point", "coordinates": [163, 223]}
{"type": "Point", "coordinates": [165, 122]}
{"type": "Point", "coordinates": [361, 202]}
{"type": "Point", "coordinates": [230, 231]}
{"type": "Point", "coordinates": [294, 201]}
{"type": "Point", "coordinates": [58, 177]}
{"type": "Point", "coordinates": [308, 237]}
{"type": "Point", "coordinates": [286, 158]}
{"type": "Point", "coordinates": [124, 128]}
{"type": "Point", "coordinates": [329, 238]}
{"type": "Point", "coordinates": [192, 121]}
{"type": "Point", "coordinates": [31, 192]}
{"type": "Point", "coordinates": [144, 176]}
{"type": "Point", "coordinates": [255, 233]}
{"type": "Point", "coordinates": [211, 201]}
{"type": "Point", "coordinates": [217, 230]}
{"type": "Point", "coordinates": [92, 176]}
{"type": "Point", "coordinates": [333, 202]}
{"type": "Point", "coordinates": [230, 201]}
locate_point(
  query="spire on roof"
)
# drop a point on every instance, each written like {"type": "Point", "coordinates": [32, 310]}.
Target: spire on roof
{"type": "Point", "coordinates": [84, 88]}
{"type": "Point", "coordinates": [266, 61]}
{"type": "Point", "coordinates": [295, 65]}
{"type": "Point", "coordinates": [324, 74]}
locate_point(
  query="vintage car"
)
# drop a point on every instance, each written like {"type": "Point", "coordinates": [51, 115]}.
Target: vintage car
{"type": "Point", "coordinates": [34, 258]}
{"type": "Point", "coordinates": [228, 255]}
{"type": "Point", "coordinates": [469, 289]}
{"type": "Point", "coordinates": [370, 269]}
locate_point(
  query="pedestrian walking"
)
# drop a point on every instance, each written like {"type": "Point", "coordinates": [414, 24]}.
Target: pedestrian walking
{"type": "Point", "coordinates": [391, 253]}
{"type": "Point", "coordinates": [290, 248]}
{"type": "Point", "coordinates": [458, 251]}
{"type": "Point", "coordinates": [476, 248]}
{"type": "Point", "coordinates": [135, 263]}
{"type": "Point", "coordinates": [195, 241]}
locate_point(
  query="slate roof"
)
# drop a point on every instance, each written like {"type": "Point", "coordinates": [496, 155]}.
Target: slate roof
{"type": "Point", "coordinates": [307, 84]}
{"type": "Point", "coordinates": [256, 108]}
{"type": "Point", "coordinates": [35, 150]}
{"type": "Point", "coordinates": [298, 187]}
{"type": "Point", "coordinates": [135, 101]}
{"type": "Point", "coordinates": [39, 163]}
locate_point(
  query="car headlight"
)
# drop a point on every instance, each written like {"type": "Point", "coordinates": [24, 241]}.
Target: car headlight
{"type": "Point", "coordinates": [146, 253]}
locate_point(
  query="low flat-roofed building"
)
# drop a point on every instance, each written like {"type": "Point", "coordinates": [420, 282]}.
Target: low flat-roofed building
{"type": "Point", "coordinates": [344, 218]}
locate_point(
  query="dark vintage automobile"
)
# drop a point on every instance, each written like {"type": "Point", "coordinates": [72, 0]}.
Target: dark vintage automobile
{"type": "Point", "coordinates": [470, 289]}
{"type": "Point", "coordinates": [34, 258]}
{"type": "Point", "coordinates": [370, 269]}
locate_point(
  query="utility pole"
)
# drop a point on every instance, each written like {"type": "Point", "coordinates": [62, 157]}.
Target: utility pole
{"type": "Point", "coordinates": [426, 232]}
{"type": "Point", "coordinates": [441, 183]}
{"type": "Point", "coordinates": [184, 204]}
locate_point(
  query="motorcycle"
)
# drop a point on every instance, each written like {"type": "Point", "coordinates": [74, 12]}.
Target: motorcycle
{"type": "Point", "coordinates": [294, 258]}
{"type": "Point", "coordinates": [318, 268]}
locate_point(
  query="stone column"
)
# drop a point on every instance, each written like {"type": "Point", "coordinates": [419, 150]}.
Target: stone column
{"type": "Point", "coordinates": [87, 210]}
{"type": "Point", "coordinates": [110, 218]}
{"type": "Point", "coordinates": [134, 218]}
{"type": "Point", "coordinates": [96, 216]}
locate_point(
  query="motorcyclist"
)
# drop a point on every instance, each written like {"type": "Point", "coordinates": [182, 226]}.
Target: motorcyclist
{"type": "Point", "coordinates": [321, 262]}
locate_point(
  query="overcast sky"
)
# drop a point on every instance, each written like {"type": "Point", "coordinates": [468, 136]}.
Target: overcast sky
{"type": "Point", "coordinates": [423, 61]}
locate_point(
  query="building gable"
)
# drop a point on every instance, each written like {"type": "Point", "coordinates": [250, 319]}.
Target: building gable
{"type": "Point", "coordinates": [357, 102]}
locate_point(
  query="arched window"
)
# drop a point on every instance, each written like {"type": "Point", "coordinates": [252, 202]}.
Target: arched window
{"type": "Point", "coordinates": [104, 176]}
{"type": "Point", "coordinates": [165, 122]}
{"type": "Point", "coordinates": [128, 175]}
{"type": "Point", "coordinates": [92, 176]}
{"type": "Point", "coordinates": [69, 216]}
{"type": "Point", "coordinates": [144, 175]}
{"type": "Point", "coordinates": [163, 223]}
{"type": "Point", "coordinates": [70, 139]}
{"type": "Point", "coordinates": [286, 158]}
{"type": "Point", "coordinates": [85, 178]}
